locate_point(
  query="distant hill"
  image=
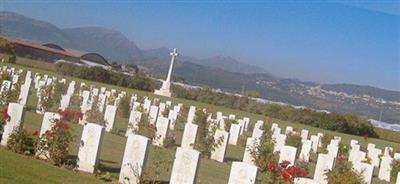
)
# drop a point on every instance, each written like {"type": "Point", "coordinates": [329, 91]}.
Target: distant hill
{"type": "Point", "coordinates": [111, 44]}
{"type": "Point", "coordinates": [108, 42]}
{"type": "Point", "coordinates": [230, 64]}
{"type": "Point", "coordinates": [221, 72]}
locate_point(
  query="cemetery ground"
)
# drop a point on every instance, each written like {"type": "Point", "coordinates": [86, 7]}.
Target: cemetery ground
{"type": "Point", "coordinates": [16, 168]}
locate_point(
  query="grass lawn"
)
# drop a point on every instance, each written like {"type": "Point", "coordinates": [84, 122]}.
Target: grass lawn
{"type": "Point", "coordinates": [19, 169]}
{"type": "Point", "coordinates": [159, 159]}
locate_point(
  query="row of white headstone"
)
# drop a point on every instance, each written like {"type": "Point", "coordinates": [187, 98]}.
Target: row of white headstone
{"type": "Point", "coordinates": [93, 133]}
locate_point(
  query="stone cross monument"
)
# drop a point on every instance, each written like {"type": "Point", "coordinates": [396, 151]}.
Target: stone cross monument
{"type": "Point", "coordinates": [165, 88]}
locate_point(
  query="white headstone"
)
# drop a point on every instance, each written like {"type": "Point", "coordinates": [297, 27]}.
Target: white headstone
{"type": "Point", "coordinates": [219, 153]}
{"type": "Point", "coordinates": [251, 145]}
{"type": "Point", "coordinates": [162, 131]}
{"type": "Point", "coordinates": [385, 169]}
{"type": "Point", "coordinates": [15, 112]}
{"type": "Point", "coordinates": [89, 147]}
{"type": "Point", "coordinates": [366, 171]}
{"type": "Point", "coordinates": [24, 93]}
{"type": "Point", "coordinates": [280, 141]}
{"type": "Point", "coordinates": [373, 154]}
{"type": "Point", "coordinates": [304, 134]}
{"type": "Point", "coordinates": [133, 122]}
{"type": "Point", "coordinates": [287, 153]}
{"type": "Point", "coordinates": [288, 130]}
{"type": "Point", "coordinates": [304, 181]}
{"type": "Point", "coordinates": [242, 173]}
{"type": "Point", "coordinates": [315, 142]}
{"type": "Point", "coordinates": [134, 158]}
{"type": "Point", "coordinates": [109, 117]}
{"type": "Point", "coordinates": [153, 114]}
{"type": "Point", "coordinates": [47, 124]}
{"type": "Point", "coordinates": [191, 114]}
{"type": "Point", "coordinates": [184, 169]}
{"type": "Point", "coordinates": [189, 135]}
{"type": "Point", "coordinates": [324, 163]}
{"type": "Point", "coordinates": [65, 99]}
{"type": "Point", "coordinates": [333, 150]}
{"type": "Point", "coordinates": [234, 133]}
{"type": "Point", "coordinates": [305, 150]}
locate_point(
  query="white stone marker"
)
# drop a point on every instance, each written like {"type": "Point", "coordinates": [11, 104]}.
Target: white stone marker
{"type": "Point", "coordinates": [356, 156]}
{"type": "Point", "coordinates": [15, 112]}
{"type": "Point", "coordinates": [373, 154]}
{"type": "Point", "coordinates": [191, 114]}
{"type": "Point", "coordinates": [398, 178]}
{"type": "Point", "coordinates": [234, 133]}
{"type": "Point", "coordinates": [333, 150]}
{"type": "Point", "coordinates": [315, 139]}
{"type": "Point", "coordinates": [189, 135]}
{"type": "Point", "coordinates": [324, 163]}
{"type": "Point", "coordinates": [162, 131]}
{"type": "Point", "coordinates": [280, 141]}
{"type": "Point", "coordinates": [184, 169]}
{"type": "Point", "coordinates": [242, 173]}
{"type": "Point", "coordinates": [288, 153]}
{"type": "Point", "coordinates": [64, 103]}
{"type": "Point", "coordinates": [153, 114]}
{"type": "Point", "coordinates": [305, 150]}
{"type": "Point", "coordinates": [109, 116]}
{"type": "Point", "coordinates": [367, 170]}
{"type": "Point", "coordinates": [89, 147]}
{"type": "Point", "coordinates": [133, 122]}
{"type": "Point", "coordinates": [246, 123]}
{"type": "Point", "coordinates": [134, 158]}
{"type": "Point", "coordinates": [304, 134]}
{"type": "Point", "coordinates": [251, 145]}
{"type": "Point", "coordinates": [385, 169]}
{"type": "Point", "coordinates": [47, 124]}
{"type": "Point", "coordinates": [288, 130]}
{"type": "Point", "coordinates": [219, 153]}
{"type": "Point", "coordinates": [5, 86]}
{"type": "Point", "coordinates": [304, 181]}
{"type": "Point", "coordinates": [23, 95]}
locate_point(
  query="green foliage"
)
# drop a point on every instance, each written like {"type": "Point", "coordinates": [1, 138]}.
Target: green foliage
{"type": "Point", "coordinates": [345, 123]}
{"type": "Point", "coordinates": [325, 141]}
{"type": "Point", "coordinates": [205, 142]}
{"type": "Point", "coordinates": [343, 173]}
{"type": "Point", "coordinates": [145, 128]}
{"type": "Point", "coordinates": [395, 170]}
{"type": "Point", "coordinates": [124, 107]}
{"type": "Point", "coordinates": [228, 124]}
{"type": "Point", "coordinates": [263, 153]}
{"type": "Point", "coordinates": [94, 115]}
{"type": "Point", "coordinates": [294, 140]}
{"type": "Point", "coordinates": [139, 81]}
{"type": "Point", "coordinates": [55, 142]}
{"type": "Point", "coordinates": [20, 141]}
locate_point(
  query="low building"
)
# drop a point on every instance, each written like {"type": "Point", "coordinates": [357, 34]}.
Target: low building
{"type": "Point", "coordinates": [51, 52]}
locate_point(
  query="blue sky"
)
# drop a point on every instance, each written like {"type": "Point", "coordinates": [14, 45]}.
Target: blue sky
{"type": "Point", "coordinates": [336, 42]}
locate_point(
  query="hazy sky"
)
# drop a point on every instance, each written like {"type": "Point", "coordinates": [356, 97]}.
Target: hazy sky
{"type": "Point", "coordinates": [337, 42]}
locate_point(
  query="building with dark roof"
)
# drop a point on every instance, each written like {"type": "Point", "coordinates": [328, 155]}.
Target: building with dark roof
{"type": "Point", "coordinates": [51, 52]}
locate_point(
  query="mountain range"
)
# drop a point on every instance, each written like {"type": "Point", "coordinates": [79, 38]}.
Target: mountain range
{"type": "Point", "coordinates": [222, 72]}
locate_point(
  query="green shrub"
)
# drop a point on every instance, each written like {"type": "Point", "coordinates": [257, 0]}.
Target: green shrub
{"type": "Point", "coordinates": [124, 107]}
{"type": "Point", "coordinates": [342, 173]}
{"type": "Point", "coordinates": [20, 141]}
{"type": "Point", "coordinates": [395, 170]}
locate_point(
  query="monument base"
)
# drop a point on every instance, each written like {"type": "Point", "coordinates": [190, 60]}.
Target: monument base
{"type": "Point", "coordinates": [163, 92]}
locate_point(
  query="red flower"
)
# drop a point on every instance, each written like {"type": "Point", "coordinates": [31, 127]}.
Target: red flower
{"type": "Point", "coordinates": [284, 164]}
{"type": "Point", "coordinates": [152, 126]}
{"type": "Point", "coordinates": [60, 124]}
{"type": "Point", "coordinates": [285, 175]}
{"type": "Point", "coordinates": [272, 165]}
{"type": "Point", "coordinates": [5, 114]}
{"type": "Point", "coordinates": [36, 133]}
{"type": "Point", "coordinates": [341, 158]}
